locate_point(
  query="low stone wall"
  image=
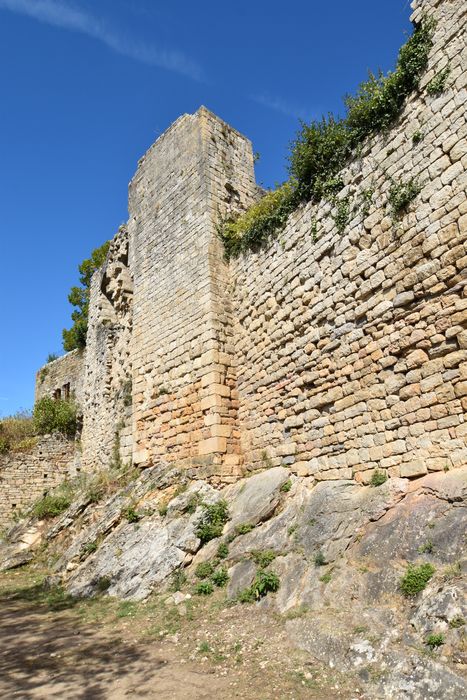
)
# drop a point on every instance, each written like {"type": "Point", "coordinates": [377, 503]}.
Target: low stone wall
{"type": "Point", "coordinates": [26, 476]}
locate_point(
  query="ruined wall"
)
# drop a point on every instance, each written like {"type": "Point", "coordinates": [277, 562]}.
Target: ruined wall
{"type": "Point", "coordinates": [26, 476]}
{"type": "Point", "coordinates": [351, 350]}
{"type": "Point", "coordinates": [62, 378]}
{"type": "Point", "coordinates": [184, 398]}
{"type": "Point", "coordinates": [107, 385]}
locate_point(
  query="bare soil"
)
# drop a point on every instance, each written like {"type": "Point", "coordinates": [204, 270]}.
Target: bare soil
{"type": "Point", "coordinates": [52, 646]}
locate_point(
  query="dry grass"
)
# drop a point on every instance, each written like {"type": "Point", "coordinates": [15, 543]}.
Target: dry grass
{"type": "Point", "coordinates": [17, 433]}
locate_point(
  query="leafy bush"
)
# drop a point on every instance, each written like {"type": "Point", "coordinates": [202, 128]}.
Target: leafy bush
{"type": "Point", "coordinates": [212, 522]}
{"type": "Point", "coordinates": [325, 578]}
{"type": "Point", "coordinates": [204, 588]}
{"type": "Point", "coordinates": [244, 528]}
{"type": "Point", "coordinates": [342, 214]}
{"type": "Point", "coordinates": [320, 559]}
{"type": "Point", "coordinates": [435, 640]}
{"type": "Point", "coordinates": [131, 515]}
{"type": "Point", "coordinates": [220, 577]}
{"type": "Point", "coordinates": [437, 85]}
{"type": "Point", "coordinates": [51, 357]}
{"type": "Point", "coordinates": [264, 558]}
{"type": "Point", "coordinates": [322, 148]}
{"type": "Point", "coordinates": [456, 622]}
{"type": "Point", "coordinates": [178, 580]}
{"type": "Point", "coordinates": [223, 550]}
{"type": "Point", "coordinates": [255, 226]}
{"type": "Point", "coordinates": [55, 415]}
{"type": "Point", "coordinates": [401, 194]}
{"type": "Point", "coordinates": [89, 547]}
{"type": "Point", "coordinates": [204, 570]}
{"type": "Point", "coordinates": [265, 582]}
{"type": "Point", "coordinates": [51, 505]}
{"type": "Point", "coordinates": [104, 583]}
{"type": "Point", "coordinates": [378, 478]}
{"type": "Point", "coordinates": [286, 486]}
{"type": "Point", "coordinates": [416, 578]}
{"type": "Point", "coordinates": [75, 337]}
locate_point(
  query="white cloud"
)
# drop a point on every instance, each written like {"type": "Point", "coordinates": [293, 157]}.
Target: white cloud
{"type": "Point", "coordinates": [59, 14]}
{"type": "Point", "coordinates": [280, 105]}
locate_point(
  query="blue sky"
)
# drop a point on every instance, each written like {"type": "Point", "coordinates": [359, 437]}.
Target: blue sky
{"type": "Point", "coordinates": [87, 86]}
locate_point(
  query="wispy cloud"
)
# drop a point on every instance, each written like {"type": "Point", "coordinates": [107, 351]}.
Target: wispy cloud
{"type": "Point", "coordinates": [280, 105]}
{"type": "Point", "coordinates": [60, 14]}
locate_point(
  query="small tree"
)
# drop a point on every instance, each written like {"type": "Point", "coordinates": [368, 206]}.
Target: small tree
{"type": "Point", "coordinates": [75, 337]}
{"type": "Point", "coordinates": [52, 416]}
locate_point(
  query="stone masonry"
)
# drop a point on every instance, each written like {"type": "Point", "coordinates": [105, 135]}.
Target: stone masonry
{"type": "Point", "coordinates": [26, 476]}
{"type": "Point", "coordinates": [333, 353]}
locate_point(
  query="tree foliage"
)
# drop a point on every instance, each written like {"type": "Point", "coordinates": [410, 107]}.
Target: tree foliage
{"type": "Point", "coordinates": [75, 337]}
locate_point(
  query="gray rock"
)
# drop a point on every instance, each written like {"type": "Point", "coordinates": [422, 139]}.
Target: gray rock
{"type": "Point", "coordinates": [241, 576]}
{"type": "Point", "coordinates": [255, 499]}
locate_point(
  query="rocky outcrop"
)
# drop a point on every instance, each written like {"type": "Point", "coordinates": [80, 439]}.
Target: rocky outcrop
{"type": "Point", "coordinates": [339, 551]}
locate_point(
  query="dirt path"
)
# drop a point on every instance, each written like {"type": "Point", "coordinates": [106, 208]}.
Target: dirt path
{"type": "Point", "coordinates": [104, 649]}
{"type": "Point", "coordinates": [44, 655]}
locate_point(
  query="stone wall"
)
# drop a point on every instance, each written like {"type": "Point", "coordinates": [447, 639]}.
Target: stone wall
{"type": "Point", "coordinates": [61, 378]}
{"type": "Point", "coordinates": [331, 351]}
{"type": "Point", "coordinates": [351, 348]}
{"type": "Point", "coordinates": [26, 476]}
{"type": "Point", "coordinates": [185, 405]}
{"type": "Point", "coordinates": [107, 384]}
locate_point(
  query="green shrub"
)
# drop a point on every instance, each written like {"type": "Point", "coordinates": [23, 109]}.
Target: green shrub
{"type": "Point", "coordinates": [89, 547]}
{"type": "Point", "coordinates": [426, 548]}
{"type": "Point", "coordinates": [437, 84]}
{"type": "Point", "coordinates": [286, 486]}
{"type": "Point", "coordinates": [265, 582]}
{"type": "Point", "coordinates": [51, 505]}
{"type": "Point", "coordinates": [456, 622]}
{"type": "Point", "coordinates": [223, 550]}
{"type": "Point", "coordinates": [103, 583]}
{"type": "Point", "coordinates": [263, 558]}
{"type": "Point", "coordinates": [204, 570]}
{"type": "Point", "coordinates": [325, 578]}
{"type": "Point", "coordinates": [342, 213]}
{"type": "Point", "coordinates": [244, 528]}
{"type": "Point", "coordinates": [255, 226]}
{"type": "Point", "coordinates": [75, 337]}
{"type": "Point", "coordinates": [417, 136]}
{"type": "Point", "coordinates": [378, 478]}
{"type": "Point", "coordinates": [416, 578]}
{"type": "Point", "coordinates": [131, 514]}
{"type": "Point", "coordinates": [204, 588]}
{"type": "Point", "coordinates": [220, 577]}
{"type": "Point", "coordinates": [178, 580]}
{"type": "Point", "coordinates": [51, 357]}
{"type": "Point", "coordinates": [55, 415]}
{"type": "Point", "coordinates": [212, 522]}
{"type": "Point", "coordinates": [320, 559]}
{"type": "Point", "coordinates": [435, 640]}
{"type": "Point", "coordinates": [401, 194]}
